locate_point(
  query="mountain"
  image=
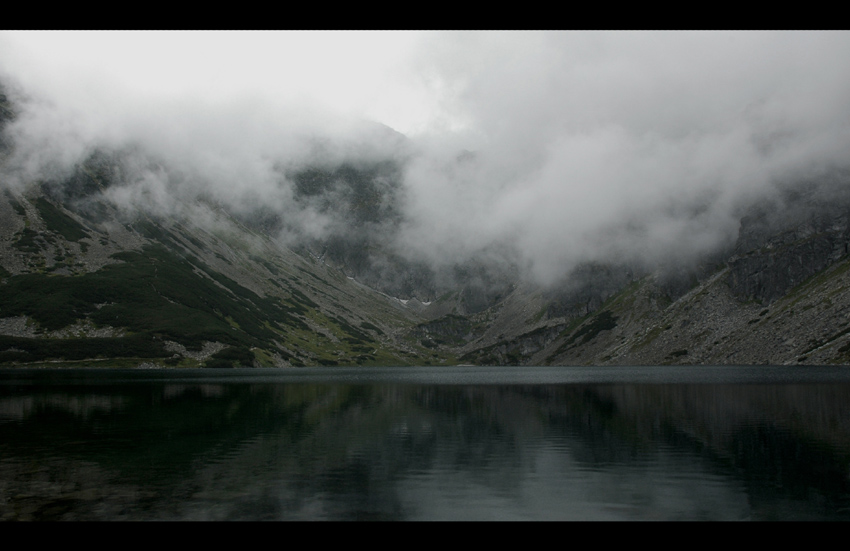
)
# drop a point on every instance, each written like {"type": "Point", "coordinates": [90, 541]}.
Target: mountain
{"type": "Point", "coordinates": [96, 269]}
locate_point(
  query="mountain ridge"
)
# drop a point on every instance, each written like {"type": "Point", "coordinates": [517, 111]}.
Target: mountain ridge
{"type": "Point", "coordinates": [97, 270]}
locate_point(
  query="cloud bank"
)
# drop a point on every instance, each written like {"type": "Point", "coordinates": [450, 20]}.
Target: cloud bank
{"type": "Point", "coordinates": [544, 149]}
{"type": "Point", "coordinates": [632, 146]}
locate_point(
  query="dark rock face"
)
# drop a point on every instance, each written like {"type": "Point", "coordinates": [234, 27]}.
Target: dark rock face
{"type": "Point", "coordinates": [520, 350]}
{"type": "Point", "coordinates": [537, 340]}
{"type": "Point", "coordinates": [448, 330]}
{"type": "Point", "coordinates": [517, 351]}
{"type": "Point", "coordinates": [6, 116]}
{"type": "Point", "coordinates": [587, 288]}
{"type": "Point", "coordinates": [769, 275]}
{"type": "Point", "coordinates": [779, 247]}
{"type": "Point", "coordinates": [480, 284]}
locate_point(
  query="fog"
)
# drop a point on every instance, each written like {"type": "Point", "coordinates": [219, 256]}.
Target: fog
{"type": "Point", "coordinates": [544, 149]}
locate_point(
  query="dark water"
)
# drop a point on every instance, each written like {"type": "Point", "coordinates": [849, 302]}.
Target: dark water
{"type": "Point", "coordinates": [684, 443]}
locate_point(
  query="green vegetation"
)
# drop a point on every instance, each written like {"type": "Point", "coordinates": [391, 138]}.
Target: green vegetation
{"type": "Point", "coordinates": [369, 326]}
{"type": "Point", "coordinates": [802, 290]}
{"type": "Point", "coordinates": [603, 321]}
{"type": "Point", "coordinates": [59, 222]}
{"type": "Point", "coordinates": [24, 350]}
{"type": "Point", "coordinates": [265, 263]}
{"type": "Point", "coordinates": [15, 204]}
{"type": "Point", "coordinates": [232, 357]}
{"type": "Point", "coordinates": [154, 231]}
{"type": "Point", "coordinates": [157, 296]}
{"type": "Point", "coordinates": [28, 241]}
{"type": "Point", "coordinates": [363, 192]}
{"type": "Point", "coordinates": [624, 299]}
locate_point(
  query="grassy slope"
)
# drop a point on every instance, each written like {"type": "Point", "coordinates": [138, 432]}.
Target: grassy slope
{"type": "Point", "coordinates": [708, 325]}
{"type": "Point", "coordinates": [177, 290]}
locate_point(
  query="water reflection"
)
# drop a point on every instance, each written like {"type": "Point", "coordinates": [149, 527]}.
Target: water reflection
{"type": "Point", "coordinates": [396, 451]}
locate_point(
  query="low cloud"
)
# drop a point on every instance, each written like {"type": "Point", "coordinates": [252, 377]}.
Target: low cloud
{"type": "Point", "coordinates": [545, 150]}
{"type": "Point", "coordinates": [636, 147]}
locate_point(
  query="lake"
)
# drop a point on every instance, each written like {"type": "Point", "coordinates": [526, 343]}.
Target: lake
{"type": "Point", "coordinates": [435, 443]}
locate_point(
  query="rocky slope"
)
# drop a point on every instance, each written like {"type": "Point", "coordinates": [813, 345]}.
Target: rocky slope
{"type": "Point", "coordinates": [780, 298]}
{"type": "Point", "coordinates": [84, 280]}
{"type": "Point", "coordinates": [176, 293]}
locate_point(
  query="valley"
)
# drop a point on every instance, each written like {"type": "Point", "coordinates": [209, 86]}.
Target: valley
{"type": "Point", "coordinates": [97, 270]}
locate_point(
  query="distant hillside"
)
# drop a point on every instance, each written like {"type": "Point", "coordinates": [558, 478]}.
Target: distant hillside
{"type": "Point", "coordinates": [85, 280]}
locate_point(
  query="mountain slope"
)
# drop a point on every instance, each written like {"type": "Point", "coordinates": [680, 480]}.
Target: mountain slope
{"type": "Point", "coordinates": [86, 281]}
{"type": "Point", "coordinates": [782, 297]}
{"type": "Point", "coordinates": [99, 266]}
{"type": "Point", "coordinates": [177, 290]}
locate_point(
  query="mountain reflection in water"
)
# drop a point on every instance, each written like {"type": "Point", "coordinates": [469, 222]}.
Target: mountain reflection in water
{"type": "Point", "coordinates": [164, 447]}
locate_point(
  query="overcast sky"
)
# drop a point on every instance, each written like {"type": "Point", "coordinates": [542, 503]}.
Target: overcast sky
{"type": "Point", "coordinates": [361, 73]}
{"type": "Point", "coordinates": [587, 146]}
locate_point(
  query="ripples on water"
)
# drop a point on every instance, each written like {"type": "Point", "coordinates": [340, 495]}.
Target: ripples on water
{"type": "Point", "coordinates": [426, 444]}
